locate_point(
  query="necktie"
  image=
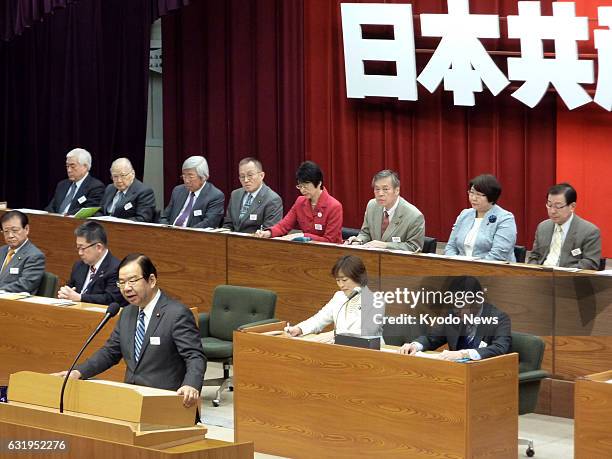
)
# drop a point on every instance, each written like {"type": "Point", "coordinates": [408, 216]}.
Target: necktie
{"type": "Point", "coordinates": [139, 337]}
{"type": "Point", "coordinates": [92, 273]}
{"type": "Point", "coordinates": [7, 260]}
{"type": "Point", "coordinates": [385, 223]}
{"type": "Point", "coordinates": [65, 205]}
{"type": "Point", "coordinates": [118, 196]}
{"type": "Point", "coordinates": [180, 221]}
{"type": "Point", "coordinates": [246, 205]}
{"type": "Point", "coordinates": [555, 247]}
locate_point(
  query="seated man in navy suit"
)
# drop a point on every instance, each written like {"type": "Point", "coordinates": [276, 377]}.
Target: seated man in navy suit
{"type": "Point", "coordinates": [127, 197]}
{"type": "Point", "coordinates": [80, 189]}
{"type": "Point", "coordinates": [94, 278]}
{"type": "Point", "coordinates": [473, 328]}
{"type": "Point", "coordinates": [197, 203]}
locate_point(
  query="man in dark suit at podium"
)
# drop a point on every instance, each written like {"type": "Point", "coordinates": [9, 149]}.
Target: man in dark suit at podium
{"type": "Point", "coordinates": [156, 336]}
{"type": "Point", "coordinates": [80, 189]}
{"type": "Point", "coordinates": [94, 277]}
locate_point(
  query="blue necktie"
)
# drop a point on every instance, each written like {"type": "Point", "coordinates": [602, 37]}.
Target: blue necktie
{"type": "Point", "coordinates": [139, 338]}
{"type": "Point", "coordinates": [65, 205]}
{"type": "Point", "coordinates": [180, 221]}
{"type": "Point", "coordinates": [118, 197]}
{"type": "Point", "coordinates": [246, 206]}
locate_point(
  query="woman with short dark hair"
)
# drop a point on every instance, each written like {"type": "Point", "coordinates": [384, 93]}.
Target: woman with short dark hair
{"type": "Point", "coordinates": [316, 213]}
{"type": "Point", "coordinates": [485, 230]}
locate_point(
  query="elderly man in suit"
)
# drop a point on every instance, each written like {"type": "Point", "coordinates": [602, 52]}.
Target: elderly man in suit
{"type": "Point", "coordinates": [23, 265]}
{"type": "Point", "coordinates": [155, 335]}
{"type": "Point", "coordinates": [94, 277]}
{"type": "Point", "coordinates": [390, 222]}
{"type": "Point", "coordinates": [474, 330]}
{"type": "Point", "coordinates": [565, 239]}
{"type": "Point", "coordinates": [197, 203]}
{"type": "Point", "coordinates": [254, 205]}
{"type": "Point", "coordinates": [127, 197]}
{"type": "Point", "coordinates": [80, 189]}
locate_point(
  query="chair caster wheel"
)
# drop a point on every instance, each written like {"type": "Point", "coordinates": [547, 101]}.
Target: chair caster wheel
{"type": "Point", "coordinates": [216, 404]}
{"type": "Point", "coordinates": [530, 452]}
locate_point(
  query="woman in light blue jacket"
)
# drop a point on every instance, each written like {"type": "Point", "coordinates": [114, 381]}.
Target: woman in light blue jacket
{"type": "Point", "coordinates": [485, 230]}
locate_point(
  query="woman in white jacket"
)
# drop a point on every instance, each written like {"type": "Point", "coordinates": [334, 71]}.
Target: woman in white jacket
{"type": "Point", "coordinates": [344, 310]}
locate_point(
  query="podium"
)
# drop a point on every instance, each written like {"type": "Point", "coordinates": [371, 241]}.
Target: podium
{"type": "Point", "coordinates": [592, 416]}
{"type": "Point", "coordinates": [302, 399]}
{"type": "Point", "coordinates": [124, 419]}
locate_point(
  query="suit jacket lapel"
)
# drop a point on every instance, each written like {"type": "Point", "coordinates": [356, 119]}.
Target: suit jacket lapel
{"type": "Point", "coordinates": [131, 330]}
{"type": "Point", "coordinates": [377, 216]}
{"type": "Point", "coordinates": [100, 272]}
{"type": "Point", "coordinates": [396, 222]}
{"type": "Point", "coordinates": [570, 237]}
{"type": "Point", "coordinates": [156, 317]}
{"type": "Point", "coordinates": [198, 202]}
{"type": "Point", "coordinates": [547, 239]}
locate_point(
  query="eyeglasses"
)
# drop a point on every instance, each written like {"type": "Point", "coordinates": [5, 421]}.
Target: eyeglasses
{"type": "Point", "coordinates": [303, 186]}
{"type": "Point", "coordinates": [476, 193]}
{"type": "Point", "coordinates": [250, 176]}
{"type": "Point", "coordinates": [128, 283]}
{"type": "Point", "coordinates": [82, 249]}
{"type": "Point", "coordinates": [550, 205]}
{"type": "Point", "coordinates": [9, 231]}
{"type": "Point", "coordinates": [188, 177]}
{"type": "Point", "coordinates": [116, 177]}
{"type": "Point", "coordinates": [384, 190]}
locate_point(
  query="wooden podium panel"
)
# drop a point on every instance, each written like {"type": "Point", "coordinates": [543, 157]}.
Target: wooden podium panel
{"type": "Point", "coordinates": [300, 273]}
{"type": "Point", "coordinates": [593, 417]}
{"type": "Point", "coordinates": [46, 339]}
{"type": "Point", "coordinates": [302, 399]}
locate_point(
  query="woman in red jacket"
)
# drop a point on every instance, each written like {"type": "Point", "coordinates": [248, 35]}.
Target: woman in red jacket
{"type": "Point", "coordinates": [316, 213]}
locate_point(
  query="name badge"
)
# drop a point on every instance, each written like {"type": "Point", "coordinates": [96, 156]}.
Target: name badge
{"type": "Point", "coordinates": [82, 199]}
{"type": "Point", "coordinates": [13, 270]}
{"type": "Point", "coordinates": [396, 239]}
{"type": "Point", "coordinates": [576, 252]}
{"type": "Point", "coordinates": [318, 227]}
{"type": "Point", "coordinates": [253, 217]}
{"type": "Point", "coordinates": [128, 206]}
{"type": "Point", "coordinates": [482, 344]}
{"type": "Point", "coordinates": [197, 213]}
{"type": "Point", "coordinates": [154, 341]}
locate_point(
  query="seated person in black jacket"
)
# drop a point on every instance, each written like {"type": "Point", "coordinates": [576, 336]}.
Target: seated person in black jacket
{"type": "Point", "coordinates": [479, 330]}
{"type": "Point", "coordinates": [94, 278]}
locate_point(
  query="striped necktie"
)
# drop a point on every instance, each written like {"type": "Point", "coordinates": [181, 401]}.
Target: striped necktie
{"type": "Point", "coordinates": [139, 337]}
{"type": "Point", "coordinates": [65, 205]}
{"type": "Point", "coordinates": [246, 206]}
{"type": "Point", "coordinates": [7, 259]}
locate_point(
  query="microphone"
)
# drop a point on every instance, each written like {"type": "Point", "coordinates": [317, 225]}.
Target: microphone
{"type": "Point", "coordinates": [356, 291]}
{"type": "Point", "coordinates": [111, 311]}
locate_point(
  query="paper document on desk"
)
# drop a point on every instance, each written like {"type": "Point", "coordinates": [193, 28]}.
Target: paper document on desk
{"type": "Point", "coordinates": [33, 211]}
{"type": "Point", "coordinates": [49, 301]}
{"type": "Point", "coordinates": [327, 337]}
{"type": "Point", "coordinates": [13, 296]}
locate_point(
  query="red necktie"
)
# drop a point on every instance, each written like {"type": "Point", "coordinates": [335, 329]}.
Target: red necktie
{"type": "Point", "coordinates": [385, 223]}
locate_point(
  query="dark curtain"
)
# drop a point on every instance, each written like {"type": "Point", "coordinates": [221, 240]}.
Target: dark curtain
{"type": "Point", "coordinates": [433, 145]}
{"type": "Point", "coordinates": [79, 78]}
{"type": "Point", "coordinates": [17, 15]}
{"type": "Point", "coordinates": [233, 87]}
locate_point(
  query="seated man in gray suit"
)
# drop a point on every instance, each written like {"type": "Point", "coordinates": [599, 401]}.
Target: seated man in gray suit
{"type": "Point", "coordinates": [127, 197]}
{"type": "Point", "coordinates": [479, 331]}
{"type": "Point", "coordinates": [155, 335]}
{"type": "Point", "coordinates": [80, 189]}
{"type": "Point", "coordinates": [94, 277]}
{"type": "Point", "coordinates": [197, 203]}
{"type": "Point", "coordinates": [565, 239]}
{"type": "Point", "coordinates": [254, 205]}
{"type": "Point", "coordinates": [390, 222]}
{"type": "Point", "coordinates": [23, 265]}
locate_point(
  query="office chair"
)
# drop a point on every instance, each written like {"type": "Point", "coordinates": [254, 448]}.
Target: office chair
{"type": "Point", "coordinates": [430, 244]}
{"type": "Point", "coordinates": [49, 285]}
{"type": "Point", "coordinates": [232, 308]}
{"type": "Point", "coordinates": [348, 232]}
{"type": "Point", "coordinates": [530, 349]}
{"type": "Point", "coordinates": [520, 253]}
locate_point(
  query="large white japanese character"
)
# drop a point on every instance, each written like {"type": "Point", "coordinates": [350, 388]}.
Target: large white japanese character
{"type": "Point", "coordinates": [400, 50]}
{"type": "Point", "coordinates": [565, 71]}
{"type": "Point", "coordinates": [603, 43]}
{"type": "Point", "coordinates": [460, 58]}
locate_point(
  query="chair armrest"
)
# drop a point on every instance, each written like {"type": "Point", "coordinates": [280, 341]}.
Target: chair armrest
{"type": "Point", "coordinates": [259, 322]}
{"type": "Point", "coordinates": [534, 375]}
{"type": "Point", "coordinates": [204, 320]}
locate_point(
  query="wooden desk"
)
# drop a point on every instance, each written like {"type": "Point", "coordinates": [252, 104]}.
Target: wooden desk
{"type": "Point", "coordinates": [593, 417]}
{"type": "Point", "coordinates": [301, 399]}
{"type": "Point", "coordinates": [46, 339]}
